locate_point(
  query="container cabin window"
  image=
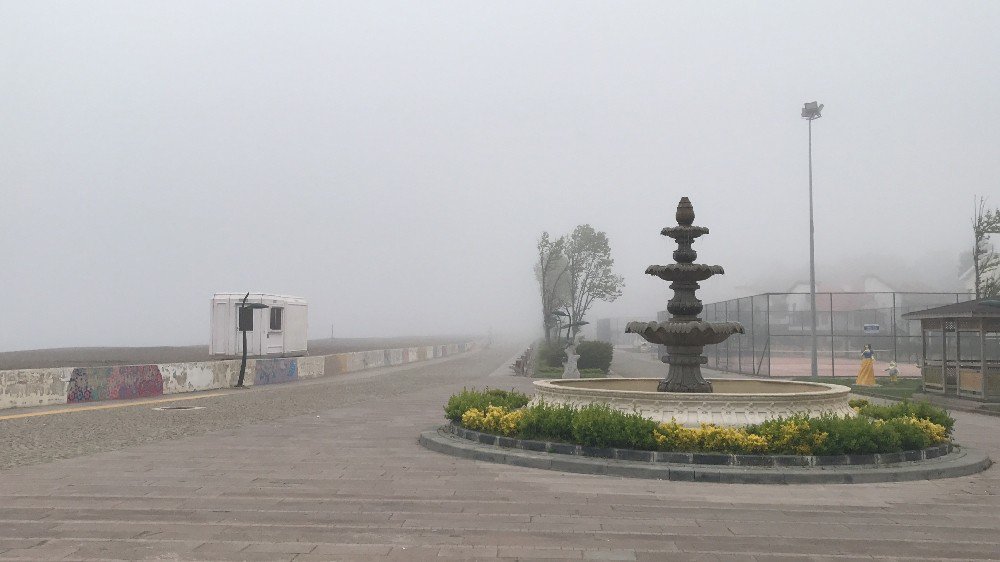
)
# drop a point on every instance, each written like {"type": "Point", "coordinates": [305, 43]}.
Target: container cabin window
{"type": "Point", "coordinates": [276, 318]}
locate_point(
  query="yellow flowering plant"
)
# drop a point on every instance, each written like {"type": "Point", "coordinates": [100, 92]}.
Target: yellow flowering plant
{"type": "Point", "coordinates": [496, 419]}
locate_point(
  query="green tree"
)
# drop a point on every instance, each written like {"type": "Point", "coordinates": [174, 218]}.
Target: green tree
{"type": "Point", "coordinates": [985, 260]}
{"type": "Point", "coordinates": [590, 277]}
{"type": "Point", "coordinates": [551, 273]}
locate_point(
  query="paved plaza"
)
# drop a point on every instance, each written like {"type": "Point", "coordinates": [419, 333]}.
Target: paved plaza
{"type": "Point", "coordinates": [330, 469]}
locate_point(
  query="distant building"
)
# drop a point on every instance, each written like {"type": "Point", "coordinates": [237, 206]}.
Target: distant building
{"type": "Point", "coordinates": [613, 330]}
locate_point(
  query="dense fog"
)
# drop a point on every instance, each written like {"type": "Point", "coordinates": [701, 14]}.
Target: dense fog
{"type": "Point", "coordinates": [395, 162]}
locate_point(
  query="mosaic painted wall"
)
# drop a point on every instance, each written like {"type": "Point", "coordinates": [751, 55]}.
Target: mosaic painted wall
{"type": "Point", "coordinates": [275, 371]}
{"type": "Point", "coordinates": [114, 383]}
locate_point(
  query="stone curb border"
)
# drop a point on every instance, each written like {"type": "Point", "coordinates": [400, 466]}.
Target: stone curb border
{"type": "Point", "coordinates": [960, 462]}
{"type": "Point", "coordinates": [723, 459]}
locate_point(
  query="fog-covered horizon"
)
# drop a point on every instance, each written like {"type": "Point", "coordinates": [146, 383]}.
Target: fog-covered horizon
{"type": "Point", "coordinates": [394, 163]}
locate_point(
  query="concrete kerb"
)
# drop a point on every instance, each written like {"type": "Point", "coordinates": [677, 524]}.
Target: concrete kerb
{"type": "Point", "coordinates": [959, 462]}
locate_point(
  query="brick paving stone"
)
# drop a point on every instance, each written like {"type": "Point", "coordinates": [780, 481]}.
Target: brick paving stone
{"type": "Point", "coordinates": [7, 544]}
{"type": "Point", "coordinates": [41, 552]}
{"type": "Point", "coordinates": [354, 550]}
{"type": "Point", "coordinates": [468, 552]}
{"type": "Point", "coordinates": [540, 553]}
{"type": "Point", "coordinates": [333, 465]}
{"type": "Point", "coordinates": [609, 555]}
{"type": "Point", "coordinates": [281, 547]}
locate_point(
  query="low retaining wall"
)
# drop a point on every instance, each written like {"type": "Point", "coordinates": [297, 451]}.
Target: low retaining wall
{"type": "Point", "coordinates": [43, 387]}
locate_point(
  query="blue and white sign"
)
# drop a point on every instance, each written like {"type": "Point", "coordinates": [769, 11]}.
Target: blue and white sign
{"type": "Point", "coordinates": [871, 328]}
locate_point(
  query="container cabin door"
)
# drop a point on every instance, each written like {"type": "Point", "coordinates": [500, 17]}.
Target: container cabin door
{"type": "Point", "coordinates": [222, 336]}
{"type": "Point", "coordinates": [275, 319]}
{"type": "Point", "coordinates": [255, 337]}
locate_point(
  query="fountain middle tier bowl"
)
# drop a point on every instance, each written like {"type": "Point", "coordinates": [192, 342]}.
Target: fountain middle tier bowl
{"type": "Point", "coordinates": [696, 332]}
{"type": "Point", "coordinates": [733, 402]}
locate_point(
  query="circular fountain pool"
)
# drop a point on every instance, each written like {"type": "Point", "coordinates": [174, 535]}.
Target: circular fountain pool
{"type": "Point", "coordinates": [733, 402]}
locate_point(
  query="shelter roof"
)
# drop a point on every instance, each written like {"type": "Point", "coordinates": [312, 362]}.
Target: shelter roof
{"type": "Point", "coordinates": [982, 308]}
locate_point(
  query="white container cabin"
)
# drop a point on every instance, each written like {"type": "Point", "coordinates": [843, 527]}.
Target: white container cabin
{"type": "Point", "coordinates": [280, 330]}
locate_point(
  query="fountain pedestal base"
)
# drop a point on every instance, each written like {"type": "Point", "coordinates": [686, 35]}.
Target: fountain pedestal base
{"type": "Point", "coordinates": [684, 371]}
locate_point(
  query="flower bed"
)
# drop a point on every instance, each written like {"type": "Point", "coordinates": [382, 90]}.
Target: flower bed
{"type": "Point", "coordinates": [875, 430]}
{"type": "Point", "coordinates": [698, 458]}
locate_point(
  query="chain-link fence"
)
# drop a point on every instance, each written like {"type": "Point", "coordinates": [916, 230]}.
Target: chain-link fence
{"type": "Point", "coordinates": [778, 340]}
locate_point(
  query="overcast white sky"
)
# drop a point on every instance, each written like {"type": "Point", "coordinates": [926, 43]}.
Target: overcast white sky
{"type": "Point", "coordinates": [395, 162]}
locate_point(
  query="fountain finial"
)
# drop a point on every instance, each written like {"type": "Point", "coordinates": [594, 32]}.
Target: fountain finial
{"type": "Point", "coordinates": [685, 212]}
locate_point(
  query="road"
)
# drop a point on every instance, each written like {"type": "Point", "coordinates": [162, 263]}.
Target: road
{"type": "Point", "coordinates": [331, 469]}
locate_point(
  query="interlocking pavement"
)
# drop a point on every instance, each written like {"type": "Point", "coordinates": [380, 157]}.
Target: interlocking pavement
{"type": "Point", "coordinates": [330, 469]}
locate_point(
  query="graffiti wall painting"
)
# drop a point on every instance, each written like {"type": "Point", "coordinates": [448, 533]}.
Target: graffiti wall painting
{"type": "Point", "coordinates": [88, 384]}
{"type": "Point", "coordinates": [275, 371]}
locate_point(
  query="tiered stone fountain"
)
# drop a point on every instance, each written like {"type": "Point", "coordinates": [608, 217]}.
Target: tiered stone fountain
{"type": "Point", "coordinates": [683, 395]}
{"type": "Point", "coordinates": [685, 335]}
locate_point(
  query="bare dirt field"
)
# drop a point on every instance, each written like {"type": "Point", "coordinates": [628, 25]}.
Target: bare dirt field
{"type": "Point", "coordinates": [100, 356]}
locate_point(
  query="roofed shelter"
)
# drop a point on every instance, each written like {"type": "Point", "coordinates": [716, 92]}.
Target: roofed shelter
{"type": "Point", "coordinates": [961, 348]}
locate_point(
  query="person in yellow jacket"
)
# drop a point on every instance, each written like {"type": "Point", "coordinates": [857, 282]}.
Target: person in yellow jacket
{"type": "Point", "coordinates": [866, 374]}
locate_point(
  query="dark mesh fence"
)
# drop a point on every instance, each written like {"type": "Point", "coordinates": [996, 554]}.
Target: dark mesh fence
{"type": "Point", "coordinates": [778, 339]}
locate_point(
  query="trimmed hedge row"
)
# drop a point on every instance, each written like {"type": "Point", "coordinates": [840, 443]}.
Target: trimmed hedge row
{"type": "Point", "coordinates": [876, 429]}
{"type": "Point", "coordinates": [593, 355]}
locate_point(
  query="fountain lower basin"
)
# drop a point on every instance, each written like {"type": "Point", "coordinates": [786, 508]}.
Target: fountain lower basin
{"type": "Point", "coordinates": [734, 402]}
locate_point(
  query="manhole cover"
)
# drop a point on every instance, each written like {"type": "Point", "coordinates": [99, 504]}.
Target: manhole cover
{"type": "Point", "coordinates": [162, 408]}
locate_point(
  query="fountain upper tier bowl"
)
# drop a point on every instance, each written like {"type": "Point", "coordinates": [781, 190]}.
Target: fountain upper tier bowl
{"type": "Point", "coordinates": [733, 402]}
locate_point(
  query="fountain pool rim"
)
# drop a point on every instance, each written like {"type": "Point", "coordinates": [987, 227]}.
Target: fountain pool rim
{"type": "Point", "coordinates": [735, 402]}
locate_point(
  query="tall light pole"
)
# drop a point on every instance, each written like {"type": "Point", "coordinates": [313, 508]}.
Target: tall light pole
{"type": "Point", "coordinates": [810, 112]}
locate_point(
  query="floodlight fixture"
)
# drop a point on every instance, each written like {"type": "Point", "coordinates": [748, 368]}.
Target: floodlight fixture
{"type": "Point", "coordinates": [811, 110]}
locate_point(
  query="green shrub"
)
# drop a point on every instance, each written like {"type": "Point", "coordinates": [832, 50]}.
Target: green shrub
{"type": "Point", "coordinates": [600, 425]}
{"type": "Point", "coordinates": [855, 436]}
{"type": "Point", "coordinates": [919, 410]}
{"type": "Point", "coordinates": [551, 354]}
{"type": "Point", "coordinates": [911, 437]}
{"type": "Point", "coordinates": [556, 373]}
{"type": "Point", "coordinates": [459, 403]}
{"type": "Point", "coordinates": [595, 355]}
{"type": "Point", "coordinates": [548, 422]}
